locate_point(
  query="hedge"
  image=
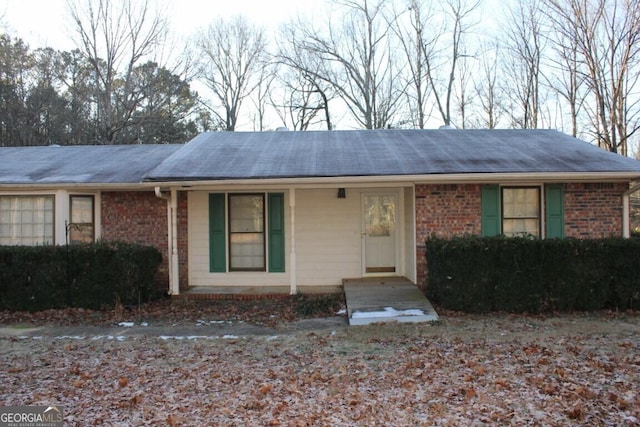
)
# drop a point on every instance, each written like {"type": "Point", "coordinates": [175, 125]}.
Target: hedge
{"type": "Point", "coordinates": [89, 276]}
{"type": "Point", "coordinates": [475, 274]}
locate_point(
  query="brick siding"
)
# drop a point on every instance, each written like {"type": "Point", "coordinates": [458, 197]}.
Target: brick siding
{"type": "Point", "coordinates": [444, 211]}
{"type": "Point", "coordinates": [141, 217]}
{"type": "Point", "coordinates": [592, 210]}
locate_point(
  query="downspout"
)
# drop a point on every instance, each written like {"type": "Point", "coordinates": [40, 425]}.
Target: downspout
{"type": "Point", "coordinates": [172, 247]}
{"type": "Point", "coordinates": [626, 228]}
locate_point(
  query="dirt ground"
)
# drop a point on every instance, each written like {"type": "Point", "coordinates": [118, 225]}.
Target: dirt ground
{"type": "Point", "coordinates": [498, 369]}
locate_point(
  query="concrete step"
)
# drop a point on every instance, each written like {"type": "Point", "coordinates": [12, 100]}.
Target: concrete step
{"type": "Point", "coordinates": [386, 299]}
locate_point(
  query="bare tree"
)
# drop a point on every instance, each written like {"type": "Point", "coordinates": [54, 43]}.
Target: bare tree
{"type": "Point", "coordinates": [305, 95]}
{"type": "Point", "coordinates": [444, 60]}
{"type": "Point", "coordinates": [356, 58]}
{"type": "Point", "coordinates": [233, 53]}
{"type": "Point", "coordinates": [524, 47]}
{"type": "Point", "coordinates": [300, 102]}
{"type": "Point", "coordinates": [487, 89]}
{"type": "Point", "coordinates": [115, 37]}
{"type": "Point", "coordinates": [417, 35]}
{"type": "Point", "coordinates": [260, 98]}
{"type": "Point", "coordinates": [606, 35]}
{"type": "Point", "coordinates": [564, 75]}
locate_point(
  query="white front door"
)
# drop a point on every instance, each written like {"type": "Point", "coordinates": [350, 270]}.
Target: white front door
{"type": "Point", "coordinates": [380, 215]}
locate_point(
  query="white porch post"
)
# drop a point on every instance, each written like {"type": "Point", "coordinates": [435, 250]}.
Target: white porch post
{"type": "Point", "coordinates": [174, 267]}
{"type": "Point", "coordinates": [61, 215]}
{"type": "Point", "coordinates": [626, 228]}
{"type": "Point", "coordinates": [172, 239]}
{"type": "Point", "coordinates": [292, 245]}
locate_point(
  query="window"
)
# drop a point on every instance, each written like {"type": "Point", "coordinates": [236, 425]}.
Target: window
{"type": "Point", "coordinates": [521, 211]}
{"type": "Point", "coordinates": [26, 220]}
{"type": "Point", "coordinates": [246, 232]}
{"type": "Point", "coordinates": [514, 211]}
{"type": "Point", "coordinates": [81, 228]}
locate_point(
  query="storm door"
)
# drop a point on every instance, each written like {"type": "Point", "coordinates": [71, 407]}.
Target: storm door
{"type": "Point", "coordinates": [379, 233]}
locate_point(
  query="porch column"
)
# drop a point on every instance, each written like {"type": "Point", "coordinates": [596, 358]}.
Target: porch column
{"type": "Point", "coordinates": [61, 216]}
{"type": "Point", "coordinates": [626, 228]}
{"type": "Point", "coordinates": [172, 239]}
{"type": "Point", "coordinates": [292, 244]}
{"type": "Point", "coordinates": [174, 268]}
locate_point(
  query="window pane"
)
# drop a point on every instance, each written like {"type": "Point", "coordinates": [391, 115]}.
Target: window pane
{"type": "Point", "coordinates": [246, 232]}
{"type": "Point", "coordinates": [247, 251]}
{"type": "Point", "coordinates": [520, 202]}
{"type": "Point", "coordinates": [81, 228]}
{"type": "Point", "coordinates": [246, 213]}
{"type": "Point", "coordinates": [521, 211]}
{"type": "Point", "coordinates": [81, 209]}
{"type": "Point", "coordinates": [520, 227]}
{"type": "Point", "coordinates": [26, 220]}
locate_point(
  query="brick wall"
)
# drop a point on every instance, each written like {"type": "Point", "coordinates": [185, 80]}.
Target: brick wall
{"type": "Point", "coordinates": [593, 210]}
{"type": "Point", "coordinates": [141, 217]}
{"type": "Point", "coordinates": [444, 211]}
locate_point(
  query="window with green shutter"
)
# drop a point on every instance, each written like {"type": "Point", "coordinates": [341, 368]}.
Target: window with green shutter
{"type": "Point", "coordinates": [555, 211]}
{"type": "Point", "coordinates": [516, 211]}
{"type": "Point", "coordinates": [243, 232]}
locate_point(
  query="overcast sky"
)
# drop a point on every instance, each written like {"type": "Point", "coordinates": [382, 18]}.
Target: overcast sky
{"type": "Point", "coordinates": [46, 23]}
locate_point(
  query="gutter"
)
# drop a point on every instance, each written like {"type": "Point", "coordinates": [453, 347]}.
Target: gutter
{"type": "Point", "coordinates": [172, 239]}
{"type": "Point", "coordinates": [626, 228]}
{"type": "Point", "coordinates": [341, 181]}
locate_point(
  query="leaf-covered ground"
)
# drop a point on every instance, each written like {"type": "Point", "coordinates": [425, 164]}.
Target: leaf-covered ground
{"type": "Point", "coordinates": [464, 370]}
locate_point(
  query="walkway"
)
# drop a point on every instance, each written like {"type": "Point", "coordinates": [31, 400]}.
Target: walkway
{"type": "Point", "coordinates": [383, 299]}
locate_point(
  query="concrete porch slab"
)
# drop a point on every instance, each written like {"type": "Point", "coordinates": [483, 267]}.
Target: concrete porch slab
{"type": "Point", "coordinates": [250, 292]}
{"type": "Point", "coordinates": [385, 299]}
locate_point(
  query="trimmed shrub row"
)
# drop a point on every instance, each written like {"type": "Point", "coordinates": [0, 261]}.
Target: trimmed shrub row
{"type": "Point", "coordinates": [475, 274]}
{"type": "Point", "coordinates": [89, 276]}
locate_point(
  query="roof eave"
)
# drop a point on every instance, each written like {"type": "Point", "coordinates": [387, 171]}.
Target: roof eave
{"type": "Point", "coordinates": [73, 186]}
{"type": "Point", "coordinates": [484, 178]}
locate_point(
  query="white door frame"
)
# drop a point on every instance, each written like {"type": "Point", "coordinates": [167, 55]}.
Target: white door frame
{"type": "Point", "coordinates": [399, 230]}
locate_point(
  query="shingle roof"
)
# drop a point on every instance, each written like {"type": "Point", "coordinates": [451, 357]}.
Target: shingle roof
{"type": "Point", "coordinates": [312, 154]}
{"type": "Point", "coordinates": [253, 155]}
{"type": "Point", "coordinates": [90, 164]}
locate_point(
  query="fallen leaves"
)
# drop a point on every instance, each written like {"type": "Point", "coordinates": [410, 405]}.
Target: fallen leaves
{"type": "Point", "coordinates": [459, 372]}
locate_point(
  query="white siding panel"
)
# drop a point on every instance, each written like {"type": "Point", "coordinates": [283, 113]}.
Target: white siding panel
{"type": "Point", "coordinates": [328, 240]}
{"type": "Point", "coordinates": [199, 274]}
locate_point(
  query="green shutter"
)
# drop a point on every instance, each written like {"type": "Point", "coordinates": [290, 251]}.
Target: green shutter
{"type": "Point", "coordinates": [555, 211]}
{"type": "Point", "coordinates": [491, 210]}
{"type": "Point", "coordinates": [217, 249]}
{"type": "Point", "coordinates": [276, 232]}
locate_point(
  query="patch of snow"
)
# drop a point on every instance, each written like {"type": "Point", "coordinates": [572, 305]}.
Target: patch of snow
{"type": "Point", "coordinates": [201, 322]}
{"type": "Point", "coordinates": [388, 312]}
{"type": "Point", "coordinates": [144, 324]}
{"type": "Point", "coordinates": [108, 337]}
{"type": "Point", "coordinates": [230, 337]}
{"type": "Point", "coordinates": [70, 337]}
{"type": "Point", "coordinates": [272, 338]}
{"type": "Point", "coordinates": [126, 324]}
{"type": "Point", "coordinates": [341, 311]}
